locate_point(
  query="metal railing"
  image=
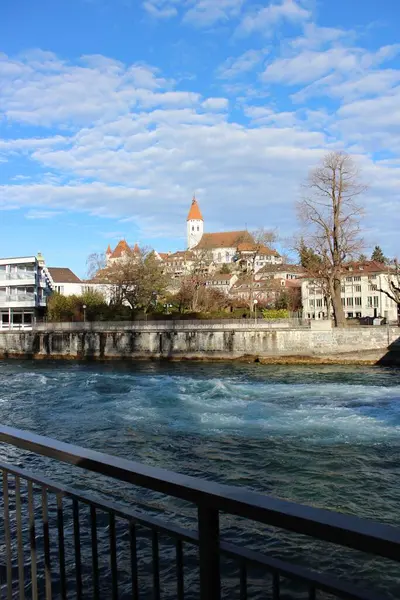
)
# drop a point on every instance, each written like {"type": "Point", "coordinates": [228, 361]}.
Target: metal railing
{"type": "Point", "coordinates": [22, 297]}
{"type": "Point", "coordinates": [15, 326]}
{"type": "Point", "coordinates": [60, 542]}
{"type": "Point", "coordinates": [229, 324]}
{"type": "Point", "coordinates": [17, 275]}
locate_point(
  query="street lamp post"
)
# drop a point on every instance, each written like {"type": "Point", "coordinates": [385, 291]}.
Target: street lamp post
{"type": "Point", "coordinates": [255, 302]}
{"type": "Point", "coordinates": [84, 313]}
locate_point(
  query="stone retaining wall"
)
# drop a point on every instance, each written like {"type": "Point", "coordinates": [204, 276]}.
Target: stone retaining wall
{"type": "Point", "coordinates": [200, 343]}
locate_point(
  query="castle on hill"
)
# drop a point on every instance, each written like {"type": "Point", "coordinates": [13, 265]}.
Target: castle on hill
{"type": "Point", "coordinates": [216, 249]}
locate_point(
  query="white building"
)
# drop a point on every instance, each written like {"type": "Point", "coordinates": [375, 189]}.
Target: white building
{"type": "Point", "coordinates": [65, 282]}
{"type": "Point", "coordinates": [222, 282]}
{"type": "Point", "coordinates": [361, 295]}
{"type": "Point", "coordinates": [24, 287]}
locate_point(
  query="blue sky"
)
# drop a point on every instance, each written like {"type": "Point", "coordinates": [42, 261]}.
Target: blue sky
{"type": "Point", "coordinates": [113, 112]}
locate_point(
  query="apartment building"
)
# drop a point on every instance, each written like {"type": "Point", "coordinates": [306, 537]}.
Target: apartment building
{"type": "Point", "coordinates": [24, 287]}
{"type": "Point", "coordinates": [360, 292]}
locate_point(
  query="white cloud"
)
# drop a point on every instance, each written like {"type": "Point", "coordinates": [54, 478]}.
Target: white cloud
{"type": "Point", "coordinates": [200, 13]}
{"type": "Point", "coordinates": [314, 37]}
{"type": "Point", "coordinates": [208, 12]}
{"type": "Point", "coordinates": [75, 94]}
{"type": "Point", "coordinates": [42, 214]}
{"type": "Point", "coordinates": [309, 65]}
{"type": "Point", "coordinates": [261, 115]}
{"type": "Point", "coordinates": [29, 144]}
{"type": "Point", "coordinates": [265, 19]}
{"type": "Point", "coordinates": [161, 9]}
{"type": "Point", "coordinates": [233, 67]}
{"type": "Point", "coordinates": [215, 104]}
{"type": "Point", "coordinates": [142, 143]}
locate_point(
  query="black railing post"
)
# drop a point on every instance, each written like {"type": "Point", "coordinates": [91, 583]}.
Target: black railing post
{"type": "Point", "coordinates": [210, 577]}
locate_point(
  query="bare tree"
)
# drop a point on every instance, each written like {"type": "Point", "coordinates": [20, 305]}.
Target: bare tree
{"type": "Point", "coordinates": [198, 267]}
{"type": "Point", "coordinates": [248, 253]}
{"type": "Point", "coordinates": [136, 278]}
{"type": "Point", "coordinates": [393, 283]}
{"type": "Point", "coordinates": [95, 263]}
{"type": "Point", "coordinates": [331, 217]}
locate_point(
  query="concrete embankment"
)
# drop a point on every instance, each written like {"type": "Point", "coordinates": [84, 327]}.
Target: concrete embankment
{"type": "Point", "coordinates": [181, 341]}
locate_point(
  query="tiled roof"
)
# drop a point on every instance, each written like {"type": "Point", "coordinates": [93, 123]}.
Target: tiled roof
{"type": "Point", "coordinates": [369, 266]}
{"type": "Point", "coordinates": [260, 249]}
{"type": "Point", "coordinates": [224, 239]}
{"type": "Point", "coordinates": [163, 255]}
{"type": "Point", "coordinates": [179, 255]}
{"type": "Point", "coordinates": [194, 212]}
{"type": "Point", "coordinates": [121, 247]}
{"type": "Point", "coordinates": [280, 268]}
{"type": "Point", "coordinates": [63, 275]}
{"type": "Point", "coordinates": [357, 268]}
{"type": "Point", "coordinates": [220, 277]}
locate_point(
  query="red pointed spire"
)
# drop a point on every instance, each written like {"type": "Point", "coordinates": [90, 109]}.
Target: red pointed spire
{"type": "Point", "coordinates": [108, 251]}
{"type": "Point", "coordinates": [194, 212]}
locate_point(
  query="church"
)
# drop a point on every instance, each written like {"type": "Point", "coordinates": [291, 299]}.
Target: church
{"type": "Point", "coordinates": [225, 247]}
{"type": "Point", "coordinates": [214, 249]}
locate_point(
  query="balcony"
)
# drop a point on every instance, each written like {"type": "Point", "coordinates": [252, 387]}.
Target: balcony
{"type": "Point", "coordinates": [63, 542]}
{"type": "Point", "coordinates": [20, 301]}
{"type": "Point", "coordinates": [18, 277]}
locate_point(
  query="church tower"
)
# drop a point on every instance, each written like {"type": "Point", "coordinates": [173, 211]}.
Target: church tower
{"type": "Point", "coordinates": [195, 225]}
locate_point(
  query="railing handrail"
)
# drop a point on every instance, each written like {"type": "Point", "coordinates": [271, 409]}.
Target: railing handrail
{"type": "Point", "coordinates": [271, 564]}
{"type": "Point", "coordinates": [346, 530]}
{"type": "Point", "coordinates": [250, 323]}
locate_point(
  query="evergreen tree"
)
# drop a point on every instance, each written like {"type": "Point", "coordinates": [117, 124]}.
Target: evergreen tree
{"type": "Point", "coordinates": [378, 255]}
{"type": "Point", "coordinates": [308, 258]}
{"type": "Point", "coordinates": [362, 258]}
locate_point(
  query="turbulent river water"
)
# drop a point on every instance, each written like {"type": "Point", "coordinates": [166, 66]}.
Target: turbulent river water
{"type": "Point", "coordinates": [326, 436]}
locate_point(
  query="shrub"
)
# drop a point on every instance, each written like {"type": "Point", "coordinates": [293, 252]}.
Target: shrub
{"type": "Point", "coordinates": [275, 313]}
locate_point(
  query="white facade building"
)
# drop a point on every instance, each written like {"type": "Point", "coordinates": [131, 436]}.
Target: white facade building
{"type": "Point", "coordinates": [24, 287]}
{"type": "Point", "coordinates": [360, 291]}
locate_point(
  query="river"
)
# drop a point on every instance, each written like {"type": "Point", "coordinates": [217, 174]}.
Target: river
{"type": "Point", "coordinates": [322, 435]}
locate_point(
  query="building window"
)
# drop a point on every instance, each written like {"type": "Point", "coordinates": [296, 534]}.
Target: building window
{"type": "Point", "coordinates": [357, 278]}
{"type": "Point", "coordinates": [358, 315]}
{"type": "Point", "coordinates": [372, 287]}
{"type": "Point", "coordinates": [198, 228]}
{"type": "Point", "coordinates": [350, 315]}
{"type": "Point", "coordinates": [357, 288]}
{"type": "Point", "coordinates": [372, 277]}
{"type": "Point", "coordinates": [319, 302]}
{"type": "Point", "coordinates": [349, 301]}
{"type": "Point", "coordinates": [343, 289]}
{"type": "Point", "coordinates": [369, 301]}
{"type": "Point", "coordinates": [343, 301]}
{"type": "Point", "coordinates": [349, 279]}
{"type": "Point", "coordinates": [376, 301]}
{"type": "Point", "coordinates": [357, 301]}
{"type": "Point", "coordinates": [312, 303]}
{"type": "Point", "coordinates": [192, 227]}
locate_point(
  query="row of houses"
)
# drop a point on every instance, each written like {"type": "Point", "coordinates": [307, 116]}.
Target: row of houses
{"type": "Point", "coordinates": [235, 263]}
{"type": "Point", "coordinates": [27, 282]}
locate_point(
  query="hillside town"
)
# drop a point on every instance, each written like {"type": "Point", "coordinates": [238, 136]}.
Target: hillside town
{"type": "Point", "coordinates": [218, 271]}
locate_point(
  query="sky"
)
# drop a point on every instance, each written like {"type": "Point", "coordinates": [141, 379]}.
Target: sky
{"type": "Point", "coordinates": [113, 113]}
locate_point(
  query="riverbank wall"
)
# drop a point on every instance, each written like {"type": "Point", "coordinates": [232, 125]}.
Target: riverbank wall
{"type": "Point", "coordinates": [180, 341]}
